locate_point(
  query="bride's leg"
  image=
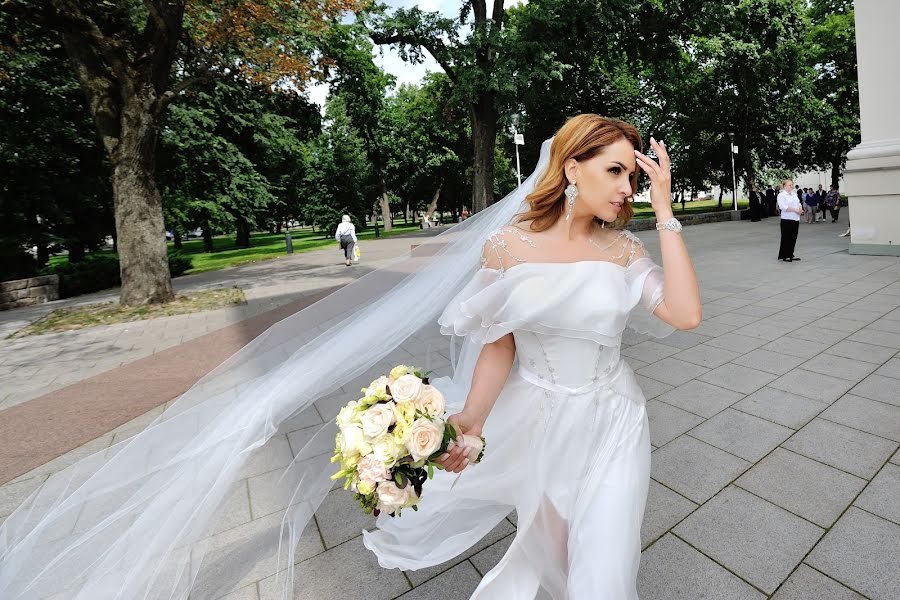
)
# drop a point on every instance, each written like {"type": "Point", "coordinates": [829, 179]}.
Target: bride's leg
{"type": "Point", "coordinates": [605, 538]}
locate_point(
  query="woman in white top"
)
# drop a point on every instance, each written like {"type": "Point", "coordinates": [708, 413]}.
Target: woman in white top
{"type": "Point", "coordinates": [346, 237]}
{"type": "Point", "coordinates": [790, 208]}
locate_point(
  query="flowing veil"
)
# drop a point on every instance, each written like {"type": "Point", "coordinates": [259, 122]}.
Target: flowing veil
{"type": "Point", "coordinates": [217, 492]}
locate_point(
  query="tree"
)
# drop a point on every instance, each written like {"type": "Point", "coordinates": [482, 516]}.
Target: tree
{"type": "Point", "coordinates": [837, 84]}
{"type": "Point", "coordinates": [55, 189]}
{"type": "Point", "coordinates": [472, 64]}
{"type": "Point", "coordinates": [134, 58]}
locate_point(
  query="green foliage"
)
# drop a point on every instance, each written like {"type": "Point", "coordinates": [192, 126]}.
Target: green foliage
{"type": "Point", "coordinates": [100, 271]}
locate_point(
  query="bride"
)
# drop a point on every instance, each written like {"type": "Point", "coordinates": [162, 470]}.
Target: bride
{"type": "Point", "coordinates": [568, 440]}
{"type": "Point", "coordinates": [541, 317]}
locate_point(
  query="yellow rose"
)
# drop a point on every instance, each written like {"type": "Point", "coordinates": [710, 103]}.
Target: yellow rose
{"type": "Point", "coordinates": [365, 487]}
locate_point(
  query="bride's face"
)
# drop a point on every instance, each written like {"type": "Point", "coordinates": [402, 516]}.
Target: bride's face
{"type": "Point", "coordinates": [604, 181]}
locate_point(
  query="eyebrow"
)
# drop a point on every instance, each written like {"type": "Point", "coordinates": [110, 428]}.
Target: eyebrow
{"type": "Point", "coordinates": [615, 162]}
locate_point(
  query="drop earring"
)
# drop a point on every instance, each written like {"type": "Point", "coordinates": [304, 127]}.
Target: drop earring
{"type": "Point", "coordinates": [571, 194]}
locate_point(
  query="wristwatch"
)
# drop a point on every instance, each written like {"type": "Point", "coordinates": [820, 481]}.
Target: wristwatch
{"type": "Point", "coordinates": [671, 224]}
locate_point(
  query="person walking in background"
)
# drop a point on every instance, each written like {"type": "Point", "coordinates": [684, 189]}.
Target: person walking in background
{"type": "Point", "coordinates": [770, 201]}
{"type": "Point", "coordinates": [346, 237]}
{"type": "Point", "coordinates": [755, 204]}
{"type": "Point", "coordinates": [833, 202]}
{"type": "Point", "coordinates": [821, 194]}
{"type": "Point", "coordinates": [812, 201]}
{"type": "Point", "coordinates": [791, 209]}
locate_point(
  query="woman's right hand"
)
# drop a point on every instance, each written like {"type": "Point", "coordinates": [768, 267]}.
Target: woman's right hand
{"type": "Point", "coordinates": [456, 459]}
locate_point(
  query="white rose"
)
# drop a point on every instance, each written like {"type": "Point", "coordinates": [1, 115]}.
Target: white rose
{"type": "Point", "coordinates": [353, 441]}
{"type": "Point", "coordinates": [377, 387]}
{"type": "Point", "coordinates": [372, 470]}
{"type": "Point", "coordinates": [399, 371]}
{"type": "Point", "coordinates": [406, 389]}
{"type": "Point", "coordinates": [348, 415]}
{"type": "Point", "coordinates": [431, 401]}
{"type": "Point", "coordinates": [391, 497]}
{"type": "Point", "coordinates": [376, 419]}
{"type": "Point", "coordinates": [388, 450]}
{"type": "Point", "coordinates": [424, 438]}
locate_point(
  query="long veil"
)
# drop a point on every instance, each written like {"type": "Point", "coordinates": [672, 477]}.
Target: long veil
{"type": "Point", "coordinates": [217, 492]}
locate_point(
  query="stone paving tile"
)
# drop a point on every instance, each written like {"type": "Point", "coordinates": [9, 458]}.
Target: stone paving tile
{"type": "Point", "coordinates": [877, 338]}
{"type": "Point", "coordinates": [765, 332]}
{"type": "Point", "coordinates": [824, 388]}
{"type": "Point", "coordinates": [802, 486]}
{"type": "Point", "coordinates": [503, 529]}
{"type": "Point", "coordinates": [860, 551]}
{"type": "Point", "coordinates": [736, 342]}
{"type": "Point", "coordinates": [668, 422]}
{"type": "Point", "coordinates": [672, 371]}
{"type": "Point", "coordinates": [713, 329]}
{"type": "Point", "coordinates": [741, 434]}
{"type": "Point", "coordinates": [755, 539]}
{"type": "Point", "coordinates": [737, 378]}
{"type": "Point", "coordinates": [879, 387]}
{"type": "Point", "coordinates": [816, 333]}
{"type": "Point", "coordinates": [796, 347]}
{"type": "Point", "coordinates": [458, 582]}
{"type": "Point", "coordinates": [685, 339]}
{"type": "Point", "coordinates": [882, 495]}
{"type": "Point", "coordinates": [807, 584]}
{"type": "Point", "coordinates": [850, 450]}
{"type": "Point", "coordinates": [844, 368]}
{"type": "Point", "coordinates": [651, 387]}
{"type": "Point", "coordinates": [488, 558]}
{"type": "Point", "coordinates": [340, 519]}
{"type": "Point", "coordinates": [866, 415]}
{"type": "Point", "coordinates": [664, 509]}
{"type": "Point", "coordinates": [768, 361]}
{"type": "Point", "coordinates": [707, 356]}
{"type": "Point", "coordinates": [650, 352]}
{"type": "Point", "coordinates": [861, 351]}
{"type": "Point", "coordinates": [695, 469]}
{"type": "Point", "coordinates": [672, 570]}
{"type": "Point", "coordinates": [359, 576]}
{"type": "Point", "coordinates": [890, 369]}
{"type": "Point", "coordinates": [781, 407]}
{"type": "Point", "coordinates": [733, 318]}
{"type": "Point", "coordinates": [700, 398]}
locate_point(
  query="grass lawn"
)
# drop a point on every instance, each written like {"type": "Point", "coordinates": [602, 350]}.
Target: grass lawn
{"type": "Point", "coordinates": [263, 246]}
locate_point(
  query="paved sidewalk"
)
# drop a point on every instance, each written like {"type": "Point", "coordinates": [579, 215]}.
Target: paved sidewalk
{"type": "Point", "coordinates": [775, 427]}
{"type": "Point", "coordinates": [36, 365]}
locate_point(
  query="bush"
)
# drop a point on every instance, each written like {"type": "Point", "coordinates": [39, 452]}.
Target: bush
{"type": "Point", "coordinates": [96, 272]}
{"type": "Point", "coordinates": [16, 264]}
{"type": "Point", "coordinates": [100, 272]}
{"type": "Point", "coordinates": [179, 263]}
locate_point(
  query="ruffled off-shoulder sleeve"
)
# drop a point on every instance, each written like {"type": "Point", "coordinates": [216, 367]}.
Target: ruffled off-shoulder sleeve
{"type": "Point", "coordinates": [473, 312]}
{"type": "Point", "coordinates": [645, 283]}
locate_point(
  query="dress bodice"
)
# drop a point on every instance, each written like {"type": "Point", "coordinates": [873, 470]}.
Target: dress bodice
{"type": "Point", "coordinates": [567, 319]}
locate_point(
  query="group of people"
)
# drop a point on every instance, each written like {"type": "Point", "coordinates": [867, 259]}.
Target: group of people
{"type": "Point", "coordinates": [820, 200]}
{"type": "Point", "coordinates": [763, 206]}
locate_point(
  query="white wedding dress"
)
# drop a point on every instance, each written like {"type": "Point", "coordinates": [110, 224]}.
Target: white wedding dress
{"type": "Point", "coordinates": [568, 445]}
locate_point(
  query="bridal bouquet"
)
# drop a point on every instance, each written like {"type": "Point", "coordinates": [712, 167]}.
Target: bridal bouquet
{"type": "Point", "coordinates": [390, 439]}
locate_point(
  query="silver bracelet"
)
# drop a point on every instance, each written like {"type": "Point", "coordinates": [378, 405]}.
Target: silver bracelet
{"type": "Point", "coordinates": [671, 224]}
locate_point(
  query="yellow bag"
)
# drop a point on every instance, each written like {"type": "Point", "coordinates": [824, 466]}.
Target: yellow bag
{"type": "Point", "coordinates": [356, 252]}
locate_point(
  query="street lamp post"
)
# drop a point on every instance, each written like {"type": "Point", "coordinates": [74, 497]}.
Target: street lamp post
{"type": "Point", "coordinates": [518, 140]}
{"type": "Point", "coordinates": [734, 150]}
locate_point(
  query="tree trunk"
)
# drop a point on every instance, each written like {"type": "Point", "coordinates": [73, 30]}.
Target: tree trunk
{"type": "Point", "coordinates": [242, 236]}
{"type": "Point", "coordinates": [177, 241]}
{"type": "Point", "coordinates": [484, 138]}
{"type": "Point", "coordinates": [76, 252]}
{"type": "Point", "coordinates": [432, 206]}
{"type": "Point", "coordinates": [385, 205]}
{"type": "Point", "coordinates": [836, 172]}
{"type": "Point", "coordinates": [207, 238]}
{"type": "Point", "coordinates": [721, 191]}
{"type": "Point", "coordinates": [143, 258]}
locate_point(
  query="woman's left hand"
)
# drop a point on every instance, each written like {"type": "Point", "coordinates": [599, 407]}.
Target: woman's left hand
{"type": "Point", "coordinates": [660, 178]}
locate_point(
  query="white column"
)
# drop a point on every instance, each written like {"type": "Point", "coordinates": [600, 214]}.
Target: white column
{"type": "Point", "coordinates": [872, 175]}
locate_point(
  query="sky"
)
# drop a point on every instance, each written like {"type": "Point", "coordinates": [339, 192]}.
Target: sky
{"type": "Point", "coordinates": [387, 58]}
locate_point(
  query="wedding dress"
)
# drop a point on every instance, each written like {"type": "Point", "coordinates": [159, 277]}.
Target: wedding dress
{"type": "Point", "coordinates": [217, 492]}
{"type": "Point", "coordinates": [568, 445]}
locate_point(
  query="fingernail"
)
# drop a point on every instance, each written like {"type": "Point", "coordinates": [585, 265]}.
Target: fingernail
{"type": "Point", "coordinates": [450, 445]}
{"type": "Point", "coordinates": [444, 456]}
{"type": "Point", "coordinates": [652, 139]}
{"type": "Point", "coordinates": [466, 462]}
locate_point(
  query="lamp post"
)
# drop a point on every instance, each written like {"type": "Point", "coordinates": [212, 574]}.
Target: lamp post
{"type": "Point", "coordinates": [734, 150]}
{"type": "Point", "coordinates": [518, 140]}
